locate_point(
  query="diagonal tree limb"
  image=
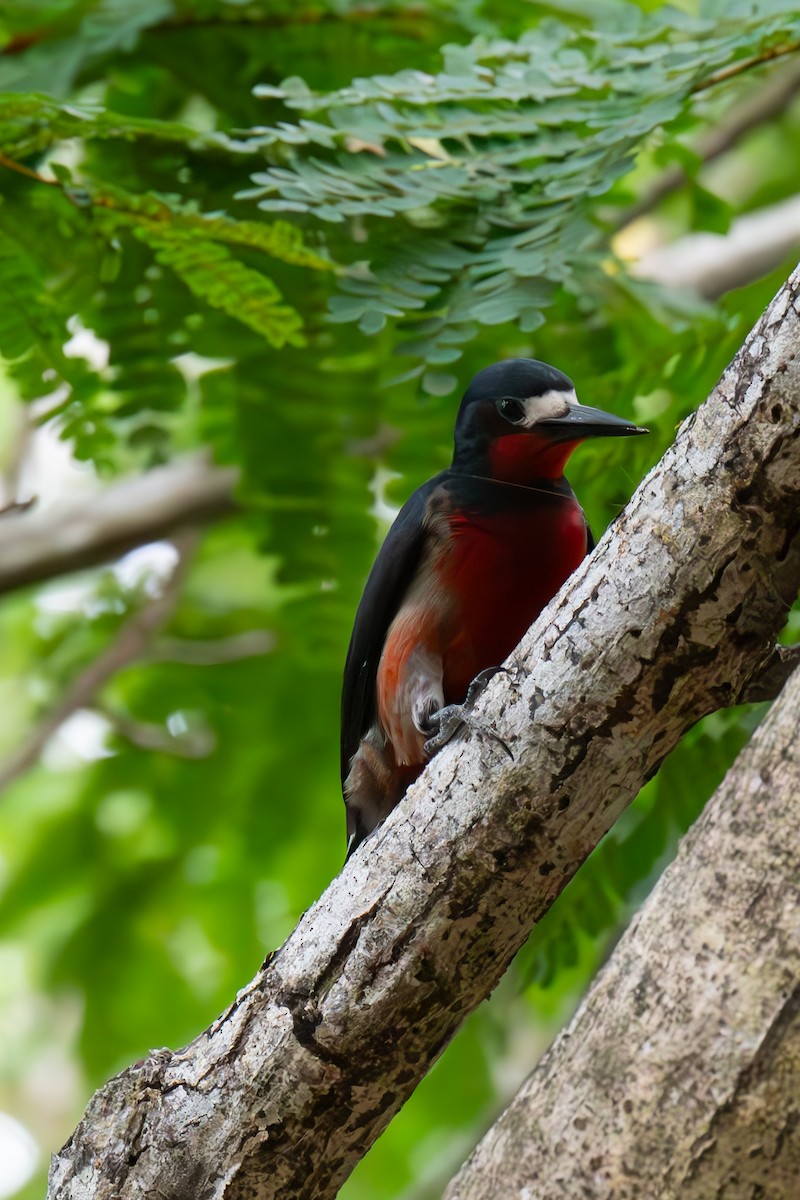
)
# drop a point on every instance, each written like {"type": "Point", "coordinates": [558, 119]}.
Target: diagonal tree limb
{"type": "Point", "coordinates": [198, 741]}
{"type": "Point", "coordinates": [673, 616]}
{"type": "Point", "coordinates": [679, 1075]}
{"type": "Point", "coordinates": [210, 652]}
{"type": "Point", "coordinates": [772, 99]}
{"type": "Point", "coordinates": [711, 264]}
{"type": "Point", "coordinates": [130, 644]}
{"type": "Point", "coordinates": [35, 546]}
{"type": "Point", "coordinates": [745, 64]}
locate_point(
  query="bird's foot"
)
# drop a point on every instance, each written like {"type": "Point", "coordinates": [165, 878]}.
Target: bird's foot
{"type": "Point", "coordinates": [448, 721]}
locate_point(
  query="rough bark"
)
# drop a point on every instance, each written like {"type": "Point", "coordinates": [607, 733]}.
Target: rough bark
{"type": "Point", "coordinates": [672, 617]}
{"type": "Point", "coordinates": [679, 1077]}
{"type": "Point", "coordinates": [35, 545]}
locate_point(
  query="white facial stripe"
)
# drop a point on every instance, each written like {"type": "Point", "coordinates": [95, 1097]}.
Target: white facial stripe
{"type": "Point", "coordinates": [554, 403]}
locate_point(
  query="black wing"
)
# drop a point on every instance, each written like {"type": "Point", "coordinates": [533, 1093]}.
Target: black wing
{"type": "Point", "coordinates": [389, 578]}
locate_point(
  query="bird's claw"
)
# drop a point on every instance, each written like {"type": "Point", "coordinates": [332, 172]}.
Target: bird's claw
{"type": "Point", "coordinates": [480, 683]}
{"type": "Point", "coordinates": [448, 721]}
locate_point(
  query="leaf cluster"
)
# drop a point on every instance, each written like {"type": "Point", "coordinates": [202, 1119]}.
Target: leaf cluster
{"type": "Point", "coordinates": [191, 262]}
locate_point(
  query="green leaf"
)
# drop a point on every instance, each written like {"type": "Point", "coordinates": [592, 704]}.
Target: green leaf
{"type": "Point", "coordinates": [524, 133]}
{"type": "Point", "coordinates": [210, 273]}
{"type": "Point", "coordinates": [710, 212]}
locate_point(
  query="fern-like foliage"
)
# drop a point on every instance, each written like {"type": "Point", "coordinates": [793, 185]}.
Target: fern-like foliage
{"type": "Point", "coordinates": [63, 39]}
{"type": "Point", "coordinates": [161, 214]}
{"type": "Point", "coordinates": [33, 321]}
{"type": "Point", "coordinates": [442, 201]}
{"type": "Point", "coordinates": [210, 272]}
{"type": "Point", "coordinates": [495, 161]}
{"type": "Point", "coordinates": [31, 123]}
{"type": "Point", "coordinates": [494, 165]}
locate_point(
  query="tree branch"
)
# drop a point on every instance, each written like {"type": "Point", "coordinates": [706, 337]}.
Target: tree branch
{"type": "Point", "coordinates": [35, 545]}
{"type": "Point", "coordinates": [198, 741]}
{"type": "Point", "coordinates": [764, 105]}
{"type": "Point", "coordinates": [679, 1074]}
{"type": "Point", "coordinates": [771, 679]}
{"type": "Point", "coordinates": [745, 64]}
{"type": "Point", "coordinates": [129, 645]}
{"type": "Point", "coordinates": [671, 617]}
{"type": "Point", "coordinates": [210, 652]}
{"type": "Point", "coordinates": [711, 264]}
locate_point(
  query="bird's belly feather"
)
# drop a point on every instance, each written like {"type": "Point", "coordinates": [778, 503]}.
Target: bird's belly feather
{"type": "Point", "coordinates": [504, 568]}
{"type": "Point", "coordinates": [485, 582]}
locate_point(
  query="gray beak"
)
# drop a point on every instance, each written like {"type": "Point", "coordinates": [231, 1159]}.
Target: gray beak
{"type": "Point", "coordinates": [580, 421]}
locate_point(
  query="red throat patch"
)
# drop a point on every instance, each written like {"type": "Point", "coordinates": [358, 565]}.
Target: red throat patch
{"type": "Point", "coordinates": [523, 457]}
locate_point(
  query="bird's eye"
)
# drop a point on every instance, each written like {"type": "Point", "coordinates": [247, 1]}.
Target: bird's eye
{"type": "Point", "coordinates": [512, 410]}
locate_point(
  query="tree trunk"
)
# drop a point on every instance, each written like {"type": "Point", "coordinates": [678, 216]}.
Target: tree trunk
{"type": "Point", "coordinates": [673, 616]}
{"type": "Point", "coordinates": [679, 1076]}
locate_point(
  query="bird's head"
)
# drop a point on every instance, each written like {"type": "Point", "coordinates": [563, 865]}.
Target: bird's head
{"type": "Point", "coordinates": [520, 420]}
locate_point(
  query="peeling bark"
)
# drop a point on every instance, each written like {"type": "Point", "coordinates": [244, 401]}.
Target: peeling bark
{"type": "Point", "coordinates": [673, 616]}
{"type": "Point", "coordinates": [679, 1077]}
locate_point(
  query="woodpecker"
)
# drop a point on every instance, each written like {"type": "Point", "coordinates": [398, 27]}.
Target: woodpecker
{"type": "Point", "coordinates": [471, 560]}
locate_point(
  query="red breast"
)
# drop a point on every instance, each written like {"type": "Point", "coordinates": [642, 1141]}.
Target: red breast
{"type": "Point", "coordinates": [503, 568]}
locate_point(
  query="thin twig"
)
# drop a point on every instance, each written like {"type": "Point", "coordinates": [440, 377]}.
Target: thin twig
{"type": "Point", "coordinates": [746, 64]}
{"type": "Point", "coordinates": [211, 652]}
{"type": "Point", "coordinates": [28, 172]}
{"type": "Point", "coordinates": [403, 17]}
{"type": "Point", "coordinates": [15, 464]}
{"type": "Point", "coordinates": [14, 507]}
{"type": "Point", "coordinates": [130, 644]}
{"type": "Point", "coordinates": [772, 100]}
{"type": "Point", "coordinates": [195, 742]}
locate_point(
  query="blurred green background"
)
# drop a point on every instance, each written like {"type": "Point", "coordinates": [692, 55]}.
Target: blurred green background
{"type": "Point", "coordinates": [302, 278]}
